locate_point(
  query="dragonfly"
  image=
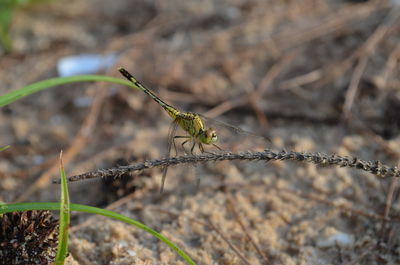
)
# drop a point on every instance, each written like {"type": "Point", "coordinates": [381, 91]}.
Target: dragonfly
{"type": "Point", "coordinates": [192, 123]}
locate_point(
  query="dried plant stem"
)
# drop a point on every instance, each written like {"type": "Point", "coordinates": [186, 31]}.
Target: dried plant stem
{"type": "Point", "coordinates": [232, 207]}
{"type": "Point", "coordinates": [80, 140]}
{"type": "Point", "coordinates": [376, 167]}
{"type": "Point", "coordinates": [230, 244]}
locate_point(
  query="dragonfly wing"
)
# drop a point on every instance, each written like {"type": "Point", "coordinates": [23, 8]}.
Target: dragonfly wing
{"type": "Point", "coordinates": [228, 133]}
{"type": "Point", "coordinates": [171, 133]}
{"type": "Point", "coordinates": [170, 142]}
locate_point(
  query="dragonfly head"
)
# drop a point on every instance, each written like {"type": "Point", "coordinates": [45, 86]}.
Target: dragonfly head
{"type": "Point", "coordinates": [208, 136]}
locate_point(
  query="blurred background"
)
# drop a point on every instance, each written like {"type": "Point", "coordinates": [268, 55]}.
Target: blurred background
{"type": "Point", "coordinates": [312, 75]}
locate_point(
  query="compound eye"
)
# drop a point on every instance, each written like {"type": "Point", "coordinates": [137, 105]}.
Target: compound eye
{"type": "Point", "coordinates": [213, 135]}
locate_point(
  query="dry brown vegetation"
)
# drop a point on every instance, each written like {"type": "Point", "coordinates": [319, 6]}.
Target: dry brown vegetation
{"type": "Point", "coordinates": [312, 75]}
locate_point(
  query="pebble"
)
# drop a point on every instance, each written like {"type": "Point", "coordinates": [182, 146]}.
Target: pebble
{"type": "Point", "coordinates": [331, 237]}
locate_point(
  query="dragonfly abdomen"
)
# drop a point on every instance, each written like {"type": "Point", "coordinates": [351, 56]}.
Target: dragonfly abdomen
{"type": "Point", "coordinates": [172, 112]}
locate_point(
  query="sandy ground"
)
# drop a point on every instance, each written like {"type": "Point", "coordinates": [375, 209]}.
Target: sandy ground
{"type": "Point", "coordinates": [316, 76]}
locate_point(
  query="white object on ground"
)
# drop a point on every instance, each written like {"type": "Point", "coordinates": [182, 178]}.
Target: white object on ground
{"type": "Point", "coordinates": [335, 238]}
{"type": "Point", "coordinates": [84, 64]}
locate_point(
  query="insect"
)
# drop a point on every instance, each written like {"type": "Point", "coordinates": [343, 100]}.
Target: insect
{"type": "Point", "coordinates": [191, 123]}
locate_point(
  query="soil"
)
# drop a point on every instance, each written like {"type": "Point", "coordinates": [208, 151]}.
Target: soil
{"type": "Point", "coordinates": [312, 75]}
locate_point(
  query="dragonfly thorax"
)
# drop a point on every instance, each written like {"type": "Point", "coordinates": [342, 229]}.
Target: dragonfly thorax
{"type": "Point", "coordinates": [208, 136]}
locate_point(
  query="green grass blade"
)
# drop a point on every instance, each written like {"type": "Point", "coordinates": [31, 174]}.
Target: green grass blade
{"type": "Point", "coordinates": [14, 207]}
{"type": "Point", "coordinates": [62, 249]}
{"type": "Point", "coordinates": [6, 12]}
{"type": "Point", "coordinates": [5, 40]}
{"type": "Point", "coordinates": [7, 9]}
{"type": "Point", "coordinates": [35, 87]}
{"type": "Point", "coordinates": [4, 148]}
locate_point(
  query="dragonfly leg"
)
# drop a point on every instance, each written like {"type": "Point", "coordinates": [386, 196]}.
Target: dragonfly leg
{"type": "Point", "coordinates": [191, 149]}
{"type": "Point", "coordinates": [176, 151]}
{"type": "Point", "coordinates": [178, 137]}
{"type": "Point", "coordinates": [219, 148]}
{"type": "Point", "coordinates": [183, 145]}
{"type": "Point", "coordinates": [201, 148]}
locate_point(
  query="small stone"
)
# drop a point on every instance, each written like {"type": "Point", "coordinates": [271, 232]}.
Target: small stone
{"type": "Point", "coordinates": [331, 237]}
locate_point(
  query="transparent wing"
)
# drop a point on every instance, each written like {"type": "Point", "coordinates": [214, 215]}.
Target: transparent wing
{"type": "Point", "coordinates": [233, 138]}
{"type": "Point", "coordinates": [171, 134]}
{"type": "Point", "coordinates": [170, 142]}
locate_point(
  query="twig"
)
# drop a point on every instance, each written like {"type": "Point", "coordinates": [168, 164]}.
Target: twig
{"type": "Point", "coordinates": [241, 224]}
{"type": "Point", "coordinates": [253, 96]}
{"type": "Point", "coordinates": [208, 224]}
{"type": "Point", "coordinates": [376, 168]}
{"type": "Point", "coordinates": [334, 22]}
{"type": "Point", "coordinates": [233, 247]}
{"type": "Point", "coordinates": [301, 80]}
{"type": "Point", "coordinates": [226, 106]}
{"type": "Point", "coordinates": [388, 205]}
{"type": "Point", "coordinates": [335, 70]}
{"type": "Point", "coordinates": [366, 50]}
{"type": "Point", "coordinates": [80, 140]}
{"type": "Point", "coordinates": [382, 79]}
{"type": "Point", "coordinates": [256, 94]}
{"type": "Point", "coordinates": [353, 87]}
{"type": "Point", "coordinates": [273, 73]}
